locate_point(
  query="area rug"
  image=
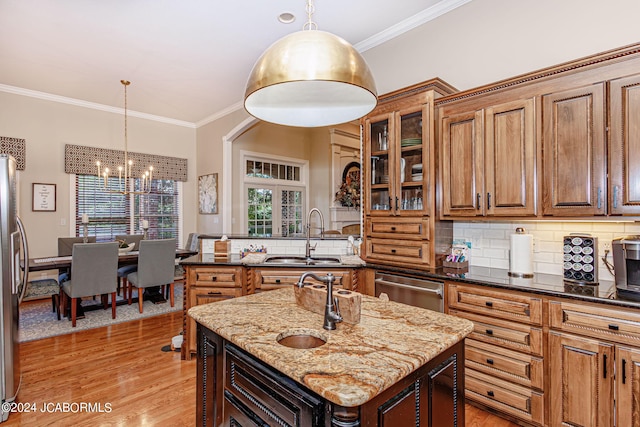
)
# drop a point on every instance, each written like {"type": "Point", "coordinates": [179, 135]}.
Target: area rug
{"type": "Point", "coordinates": [38, 321]}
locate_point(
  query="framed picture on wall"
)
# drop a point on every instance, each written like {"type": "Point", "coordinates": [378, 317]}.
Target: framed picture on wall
{"type": "Point", "coordinates": [208, 193]}
{"type": "Point", "coordinates": [43, 197]}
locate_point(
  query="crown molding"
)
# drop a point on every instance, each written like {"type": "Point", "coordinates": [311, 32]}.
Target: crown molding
{"type": "Point", "coordinates": [408, 24]}
{"type": "Point", "coordinates": [92, 105]}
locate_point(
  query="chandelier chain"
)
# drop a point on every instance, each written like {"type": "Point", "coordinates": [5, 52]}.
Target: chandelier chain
{"type": "Point", "coordinates": [310, 24]}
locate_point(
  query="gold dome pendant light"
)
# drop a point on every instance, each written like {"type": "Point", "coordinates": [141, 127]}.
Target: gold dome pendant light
{"type": "Point", "coordinates": [310, 78]}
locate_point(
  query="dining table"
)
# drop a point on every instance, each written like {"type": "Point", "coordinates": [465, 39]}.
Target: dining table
{"type": "Point", "coordinates": [63, 263]}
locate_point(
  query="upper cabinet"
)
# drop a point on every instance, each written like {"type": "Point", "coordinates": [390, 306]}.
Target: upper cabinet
{"type": "Point", "coordinates": [400, 225]}
{"type": "Point", "coordinates": [574, 144]}
{"type": "Point", "coordinates": [488, 161]}
{"type": "Point", "coordinates": [562, 142]}
{"type": "Point", "coordinates": [624, 146]}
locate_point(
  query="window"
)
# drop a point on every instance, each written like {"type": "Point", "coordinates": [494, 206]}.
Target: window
{"type": "Point", "coordinates": [274, 196]}
{"type": "Point", "coordinates": [114, 213]}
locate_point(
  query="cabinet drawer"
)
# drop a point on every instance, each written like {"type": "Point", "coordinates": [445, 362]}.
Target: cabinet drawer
{"type": "Point", "coordinates": [218, 277]}
{"type": "Point", "coordinates": [597, 322]}
{"type": "Point", "coordinates": [514, 336]}
{"type": "Point", "coordinates": [405, 228]}
{"type": "Point", "coordinates": [504, 396]}
{"type": "Point", "coordinates": [503, 305]}
{"type": "Point", "coordinates": [266, 280]}
{"type": "Point", "coordinates": [398, 251]}
{"type": "Point", "coordinates": [509, 365]}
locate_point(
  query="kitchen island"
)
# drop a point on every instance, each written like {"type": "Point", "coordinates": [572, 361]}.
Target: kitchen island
{"type": "Point", "coordinates": [400, 365]}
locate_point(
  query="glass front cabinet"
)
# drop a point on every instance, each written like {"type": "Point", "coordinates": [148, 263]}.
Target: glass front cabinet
{"type": "Point", "coordinates": [399, 178]}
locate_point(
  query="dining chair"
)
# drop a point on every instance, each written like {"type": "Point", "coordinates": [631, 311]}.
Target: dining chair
{"type": "Point", "coordinates": [93, 272]}
{"type": "Point", "coordinates": [156, 262]}
{"type": "Point", "coordinates": [127, 269]}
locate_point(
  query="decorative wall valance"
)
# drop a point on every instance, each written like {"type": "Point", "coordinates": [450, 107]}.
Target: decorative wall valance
{"type": "Point", "coordinates": [80, 159]}
{"type": "Point", "coordinates": [16, 148]}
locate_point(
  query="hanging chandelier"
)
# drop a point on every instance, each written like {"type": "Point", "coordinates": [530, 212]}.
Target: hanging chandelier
{"type": "Point", "coordinates": [124, 185]}
{"type": "Point", "coordinates": [310, 78]}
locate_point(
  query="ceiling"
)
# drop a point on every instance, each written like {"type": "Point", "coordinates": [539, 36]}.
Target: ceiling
{"type": "Point", "coordinates": [187, 60]}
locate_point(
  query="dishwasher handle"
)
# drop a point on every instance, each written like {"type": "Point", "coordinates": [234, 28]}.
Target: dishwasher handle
{"type": "Point", "coordinates": [438, 291]}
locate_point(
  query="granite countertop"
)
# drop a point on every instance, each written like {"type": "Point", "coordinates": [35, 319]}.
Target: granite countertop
{"type": "Point", "coordinates": [358, 361]}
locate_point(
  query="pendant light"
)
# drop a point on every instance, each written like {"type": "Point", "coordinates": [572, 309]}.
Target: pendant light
{"type": "Point", "coordinates": [310, 78]}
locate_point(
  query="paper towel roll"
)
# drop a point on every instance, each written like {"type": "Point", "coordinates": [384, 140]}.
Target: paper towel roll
{"type": "Point", "coordinates": [521, 255]}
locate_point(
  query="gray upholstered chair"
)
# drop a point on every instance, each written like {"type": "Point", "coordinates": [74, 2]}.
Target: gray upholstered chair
{"type": "Point", "coordinates": [127, 269]}
{"type": "Point", "coordinates": [156, 263]}
{"type": "Point", "coordinates": [93, 272]}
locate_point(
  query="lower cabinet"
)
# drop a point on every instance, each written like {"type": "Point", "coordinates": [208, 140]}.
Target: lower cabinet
{"type": "Point", "coordinates": [236, 389]}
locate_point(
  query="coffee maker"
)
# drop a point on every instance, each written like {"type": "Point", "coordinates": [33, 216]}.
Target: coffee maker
{"type": "Point", "coordinates": [626, 264]}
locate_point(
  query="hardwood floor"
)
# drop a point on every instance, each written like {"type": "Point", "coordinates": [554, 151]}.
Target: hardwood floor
{"type": "Point", "coordinates": [123, 369]}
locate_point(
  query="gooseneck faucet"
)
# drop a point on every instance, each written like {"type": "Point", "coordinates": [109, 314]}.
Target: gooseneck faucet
{"type": "Point", "coordinates": [331, 309]}
{"type": "Point", "coordinates": [308, 248]}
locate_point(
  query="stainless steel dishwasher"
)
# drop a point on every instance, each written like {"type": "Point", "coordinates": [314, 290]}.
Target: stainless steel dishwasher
{"type": "Point", "coordinates": [421, 293]}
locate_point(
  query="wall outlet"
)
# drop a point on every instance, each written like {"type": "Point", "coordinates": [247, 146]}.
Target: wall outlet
{"type": "Point", "coordinates": [535, 245]}
{"type": "Point", "coordinates": [606, 246]}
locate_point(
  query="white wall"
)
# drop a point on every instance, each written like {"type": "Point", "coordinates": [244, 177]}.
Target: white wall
{"type": "Point", "coordinates": [47, 126]}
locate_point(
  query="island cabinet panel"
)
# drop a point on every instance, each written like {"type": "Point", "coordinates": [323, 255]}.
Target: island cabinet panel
{"type": "Point", "coordinates": [574, 144]}
{"type": "Point", "coordinates": [206, 284]}
{"type": "Point", "coordinates": [235, 388]}
{"type": "Point", "coordinates": [624, 146]}
{"type": "Point", "coordinates": [504, 355]}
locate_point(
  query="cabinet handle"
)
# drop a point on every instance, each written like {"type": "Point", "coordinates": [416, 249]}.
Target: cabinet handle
{"type": "Point", "coordinates": [489, 331]}
{"type": "Point", "coordinates": [624, 371]}
{"type": "Point", "coordinates": [490, 393]}
{"type": "Point", "coordinates": [615, 196]}
{"type": "Point", "coordinates": [604, 366]}
{"type": "Point", "coordinates": [390, 204]}
{"type": "Point", "coordinates": [599, 198]}
{"type": "Point", "coordinates": [488, 200]}
{"type": "Point", "coordinates": [393, 251]}
{"type": "Point", "coordinates": [214, 278]}
{"type": "Point", "coordinates": [277, 280]}
{"type": "Point", "coordinates": [490, 361]}
{"type": "Point", "coordinates": [478, 196]}
{"type": "Point", "coordinates": [488, 303]}
{"type": "Point", "coordinates": [396, 203]}
{"type": "Point", "coordinates": [614, 327]}
{"type": "Point", "coordinates": [214, 293]}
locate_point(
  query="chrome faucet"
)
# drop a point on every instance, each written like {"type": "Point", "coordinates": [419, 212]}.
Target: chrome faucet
{"type": "Point", "coordinates": [331, 309]}
{"type": "Point", "coordinates": [308, 248]}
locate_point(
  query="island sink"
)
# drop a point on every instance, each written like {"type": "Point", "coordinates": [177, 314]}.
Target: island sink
{"type": "Point", "coordinates": [301, 339]}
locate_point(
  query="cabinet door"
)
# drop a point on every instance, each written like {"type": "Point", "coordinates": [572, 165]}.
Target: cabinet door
{"type": "Point", "coordinates": [510, 159]}
{"type": "Point", "coordinates": [462, 164]}
{"type": "Point", "coordinates": [581, 381]}
{"type": "Point", "coordinates": [624, 148]}
{"type": "Point", "coordinates": [573, 130]}
{"type": "Point", "coordinates": [413, 169]}
{"type": "Point", "coordinates": [377, 148]}
{"type": "Point", "coordinates": [627, 386]}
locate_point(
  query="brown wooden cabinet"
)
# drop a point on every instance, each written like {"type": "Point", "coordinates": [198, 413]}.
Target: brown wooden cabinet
{"type": "Point", "coordinates": [205, 284]}
{"type": "Point", "coordinates": [594, 365]}
{"type": "Point", "coordinates": [399, 178]}
{"type": "Point", "coordinates": [488, 161]}
{"type": "Point", "coordinates": [504, 354]}
{"type": "Point", "coordinates": [266, 279]}
{"type": "Point", "coordinates": [624, 146]}
{"type": "Point", "coordinates": [574, 144]}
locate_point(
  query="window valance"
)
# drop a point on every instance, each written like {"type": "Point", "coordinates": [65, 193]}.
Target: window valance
{"type": "Point", "coordinates": [80, 159]}
{"type": "Point", "coordinates": [16, 148]}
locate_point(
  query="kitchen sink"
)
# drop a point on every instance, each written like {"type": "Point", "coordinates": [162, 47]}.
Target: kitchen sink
{"type": "Point", "coordinates": [302, 260]}
{"type": "Point", "coordinates": [301, 339]}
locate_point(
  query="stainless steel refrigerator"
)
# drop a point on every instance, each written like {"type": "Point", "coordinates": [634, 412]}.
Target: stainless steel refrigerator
{"type": "Point", "coordinates": [14, 256]}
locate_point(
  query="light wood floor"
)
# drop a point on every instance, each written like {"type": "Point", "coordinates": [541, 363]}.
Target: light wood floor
{"type": "Point", "coordinates": [123, 366]}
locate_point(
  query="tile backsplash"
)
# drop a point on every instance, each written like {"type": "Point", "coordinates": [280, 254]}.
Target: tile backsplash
{"type": "Point", "coordinates": [490, 242]}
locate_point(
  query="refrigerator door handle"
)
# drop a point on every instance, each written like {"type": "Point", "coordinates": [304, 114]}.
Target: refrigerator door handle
{"type": "Point", "coordinates": [22, 286]}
